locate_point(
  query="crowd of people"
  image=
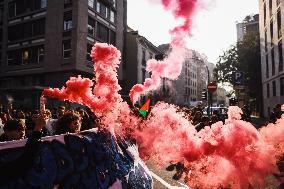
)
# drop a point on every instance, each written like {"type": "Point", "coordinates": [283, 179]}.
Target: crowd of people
{"type": "Point", "coordinates": [18, 124]}
{"type": "Point", "coordinates": [275, 114]}
{"type": "Point", "coordinates": [200, 119]}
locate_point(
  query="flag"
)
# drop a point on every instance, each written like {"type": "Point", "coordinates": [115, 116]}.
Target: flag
{"type": "Point", "coordinates": [145, 108]}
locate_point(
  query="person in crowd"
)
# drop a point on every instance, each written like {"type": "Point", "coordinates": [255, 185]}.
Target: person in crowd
{"type": "Point", "coordinates": [14, 129]}
{"type": "Point", "coordinates": [29, 121]}
{"type": "Point", "coordinates": [68, 123]}
{"type": "Point", "coordinates": [54, 113]}
{"type": "Point", "coordinates": [86, 122]}
{"type": "Point", "coordinates": [217, 114]}
{"type": "Point", "coordinates": [275, 114]}
{"type": "Point", "coordinates": [50, 123]}
{"type": "Point", "coordinates": [205, 121]}
{"type": "Point", "coordinates": [246, 116]}
{"type": "Point", "coordinates": [1, 127]}
{"type": "Point", "coordinates": [213, 119]}
{"type": "Point", "coordinates": [14, 169]}
{"type": "Point", "coordinates": [60, 111]}
{"type": "Point", "coordinates": [20, 114]}
{"type": "Point", "coordinates": [197, 118]}
{"type": "Point", "coordinates": [3, 115]}
{"type": "Point", "coordinates": [94, 120]}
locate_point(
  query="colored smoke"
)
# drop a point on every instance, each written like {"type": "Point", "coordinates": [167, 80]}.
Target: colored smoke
{"type": "Point", "coordinates": [101, 98]}
{"type": "Point", "coordinates": [234, 154]}
{"type": "Point", "coordinates": [170, 67]}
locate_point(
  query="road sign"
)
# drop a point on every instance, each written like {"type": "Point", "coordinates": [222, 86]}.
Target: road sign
{"type": "Point", "coordinates": [212, 87]}
{"type": "Point", "coordinates": [238, 78]}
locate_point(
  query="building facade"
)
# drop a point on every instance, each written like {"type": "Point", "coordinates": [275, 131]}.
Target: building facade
{"type": "Point", "coordinates": [249, 25]}
{"type": "Point", "coordinates": [271, 43]}
{"type": "Point", "coordinates": [44, 42]}
{"type": "Point", "coordinates": [192, 80]}
{"type": "Point", "coordinates": [222, 99]}
{"type": "Point", "coordinates": [138, 50]}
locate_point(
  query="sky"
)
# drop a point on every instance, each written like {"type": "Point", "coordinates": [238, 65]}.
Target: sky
{"type": "Point", "coordinates": [213, 30]}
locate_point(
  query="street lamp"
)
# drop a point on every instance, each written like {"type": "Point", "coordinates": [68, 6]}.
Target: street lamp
{"type": "Point", "coordinates": [208, 95]}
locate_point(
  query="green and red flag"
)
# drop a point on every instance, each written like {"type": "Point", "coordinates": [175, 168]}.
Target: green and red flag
{"type": "Point", "coordinates": [144, 110]}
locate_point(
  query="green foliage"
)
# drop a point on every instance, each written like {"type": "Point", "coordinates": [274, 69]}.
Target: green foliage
{"type": "Point", "coordinates": [226, 65]}
{"type": "Point", "coordinates": [243, 56]}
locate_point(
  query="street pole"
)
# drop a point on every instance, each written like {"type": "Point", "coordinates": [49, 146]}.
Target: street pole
{"type": "Point", "coordinates": [208, 94]}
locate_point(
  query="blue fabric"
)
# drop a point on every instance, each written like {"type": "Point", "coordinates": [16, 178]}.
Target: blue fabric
{"type": "Point", "coordinates": [89, 160]}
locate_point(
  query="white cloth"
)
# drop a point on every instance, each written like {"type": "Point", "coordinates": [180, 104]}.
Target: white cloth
{"type": "Point", "coordinates": [50, 126]}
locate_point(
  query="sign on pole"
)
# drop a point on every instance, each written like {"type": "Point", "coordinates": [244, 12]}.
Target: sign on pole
{"type": "Point", "coordinates": [238, 78]}
{"type": "Point", "coordinates": [212, 87]}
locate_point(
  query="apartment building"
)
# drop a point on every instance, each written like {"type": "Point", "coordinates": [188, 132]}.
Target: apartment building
{"type": "Point", "coordinates": [271, 43]}
{"type": "Point", "coordinates": [138, 50]}
{"type": "Point", "coordinates": [44, 42]}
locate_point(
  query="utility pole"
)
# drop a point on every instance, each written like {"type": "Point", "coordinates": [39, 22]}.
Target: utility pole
{"type": "Point", "coordinates": [209, 96]}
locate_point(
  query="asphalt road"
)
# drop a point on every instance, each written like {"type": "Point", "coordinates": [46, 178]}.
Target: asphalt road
{"type": "Point", "coordinates": [164, 176]}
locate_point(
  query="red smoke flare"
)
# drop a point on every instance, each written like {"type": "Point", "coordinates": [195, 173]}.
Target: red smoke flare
{"type": "Point", "coordinates": [104, 97]}
{"type": "Point", "coordinates": [234, 155]}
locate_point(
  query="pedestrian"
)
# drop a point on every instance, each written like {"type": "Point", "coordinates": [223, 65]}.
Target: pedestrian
{"type": "Point", "coordinates": [205, 121]}
{"type": "Point", "coordinates": [197, 118]}
{"type": "Point", "coordinates": [68, 123]}
{"type": "Point", "coordinates": [10, 171]}
{"type": "Point", "coordinates": [14, 129]}
{"type": "Point", "coordinates": [3, 115]}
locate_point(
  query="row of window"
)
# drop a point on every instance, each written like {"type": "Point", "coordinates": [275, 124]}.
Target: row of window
{"type": "Point", "coordinates": [19, 7]}
{"type": "Point", "coordinates": [30, 55]}
{"type": "Point", "coordinates": [28, 29]}
{"type": "Point", "coordinates": [190, 74]}
{"type": "Point", "coordinates": [189, 65]}
{"type": "Point", "coordinates": [190, 91]}
{"type": "Point", "coordinates": [31, 80]}
{"type": "Point", "coordinates": [103, 33]}
{"type": "Point", "coordinates": [102, 9]}
{"type": "Point", "coordinates": [67, 21]}
{"type": "Point", "coordinates": [66, 47]}
{"type": "Point", "coordinates": [271, 26]}
{"type": "Point", "coordinates": [272, 55]}
{"type": "Point", "coordinates": [274, 87]}
{"type": "Point", "coordinates": [187, 99]}
{"type": "Point", "coordinates": [33, 55]}
{"type": "Point", "coordinates": [190, 83]}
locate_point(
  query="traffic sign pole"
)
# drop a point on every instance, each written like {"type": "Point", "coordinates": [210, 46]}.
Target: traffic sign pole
{"type": "Point", "coordinates": [211, 88]}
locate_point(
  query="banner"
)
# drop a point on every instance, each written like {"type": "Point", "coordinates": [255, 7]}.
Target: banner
{"type": "Point", "coordinates": [90, 160]}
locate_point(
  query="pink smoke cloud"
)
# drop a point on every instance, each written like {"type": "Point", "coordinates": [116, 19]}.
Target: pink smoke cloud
{"type": "Point", "coordinates": [169, 68]}
{"type": "Point", "coordinates": [104, 95]}
{"type": "Point", "coordinates": [234, 154]}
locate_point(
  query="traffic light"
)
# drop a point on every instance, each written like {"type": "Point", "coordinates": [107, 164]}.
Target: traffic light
{"type": "Point", "coordinates": [204, 95]}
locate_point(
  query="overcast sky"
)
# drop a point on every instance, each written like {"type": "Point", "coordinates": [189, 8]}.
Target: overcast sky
{"type": "Point", "coordinates": [214, 28]}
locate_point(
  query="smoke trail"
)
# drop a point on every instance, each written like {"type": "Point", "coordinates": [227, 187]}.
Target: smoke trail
{"type": "Point", "coordinates": [170, 67]}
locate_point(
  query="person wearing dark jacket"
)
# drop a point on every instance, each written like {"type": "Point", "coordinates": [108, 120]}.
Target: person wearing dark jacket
{"type": "Point", "coordinates": [14, 169]}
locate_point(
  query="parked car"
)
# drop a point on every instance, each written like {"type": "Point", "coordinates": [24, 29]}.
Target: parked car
{"type": "Point", "coordinates": [222, 112]}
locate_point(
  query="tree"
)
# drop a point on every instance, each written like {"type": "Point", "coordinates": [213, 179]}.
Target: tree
{"type": "Point", "coordinates": [226, 65]}
{"type": "Point", "coordinates": [243, 56]}
{"type": "Point", "coordinates": [249, 59]}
